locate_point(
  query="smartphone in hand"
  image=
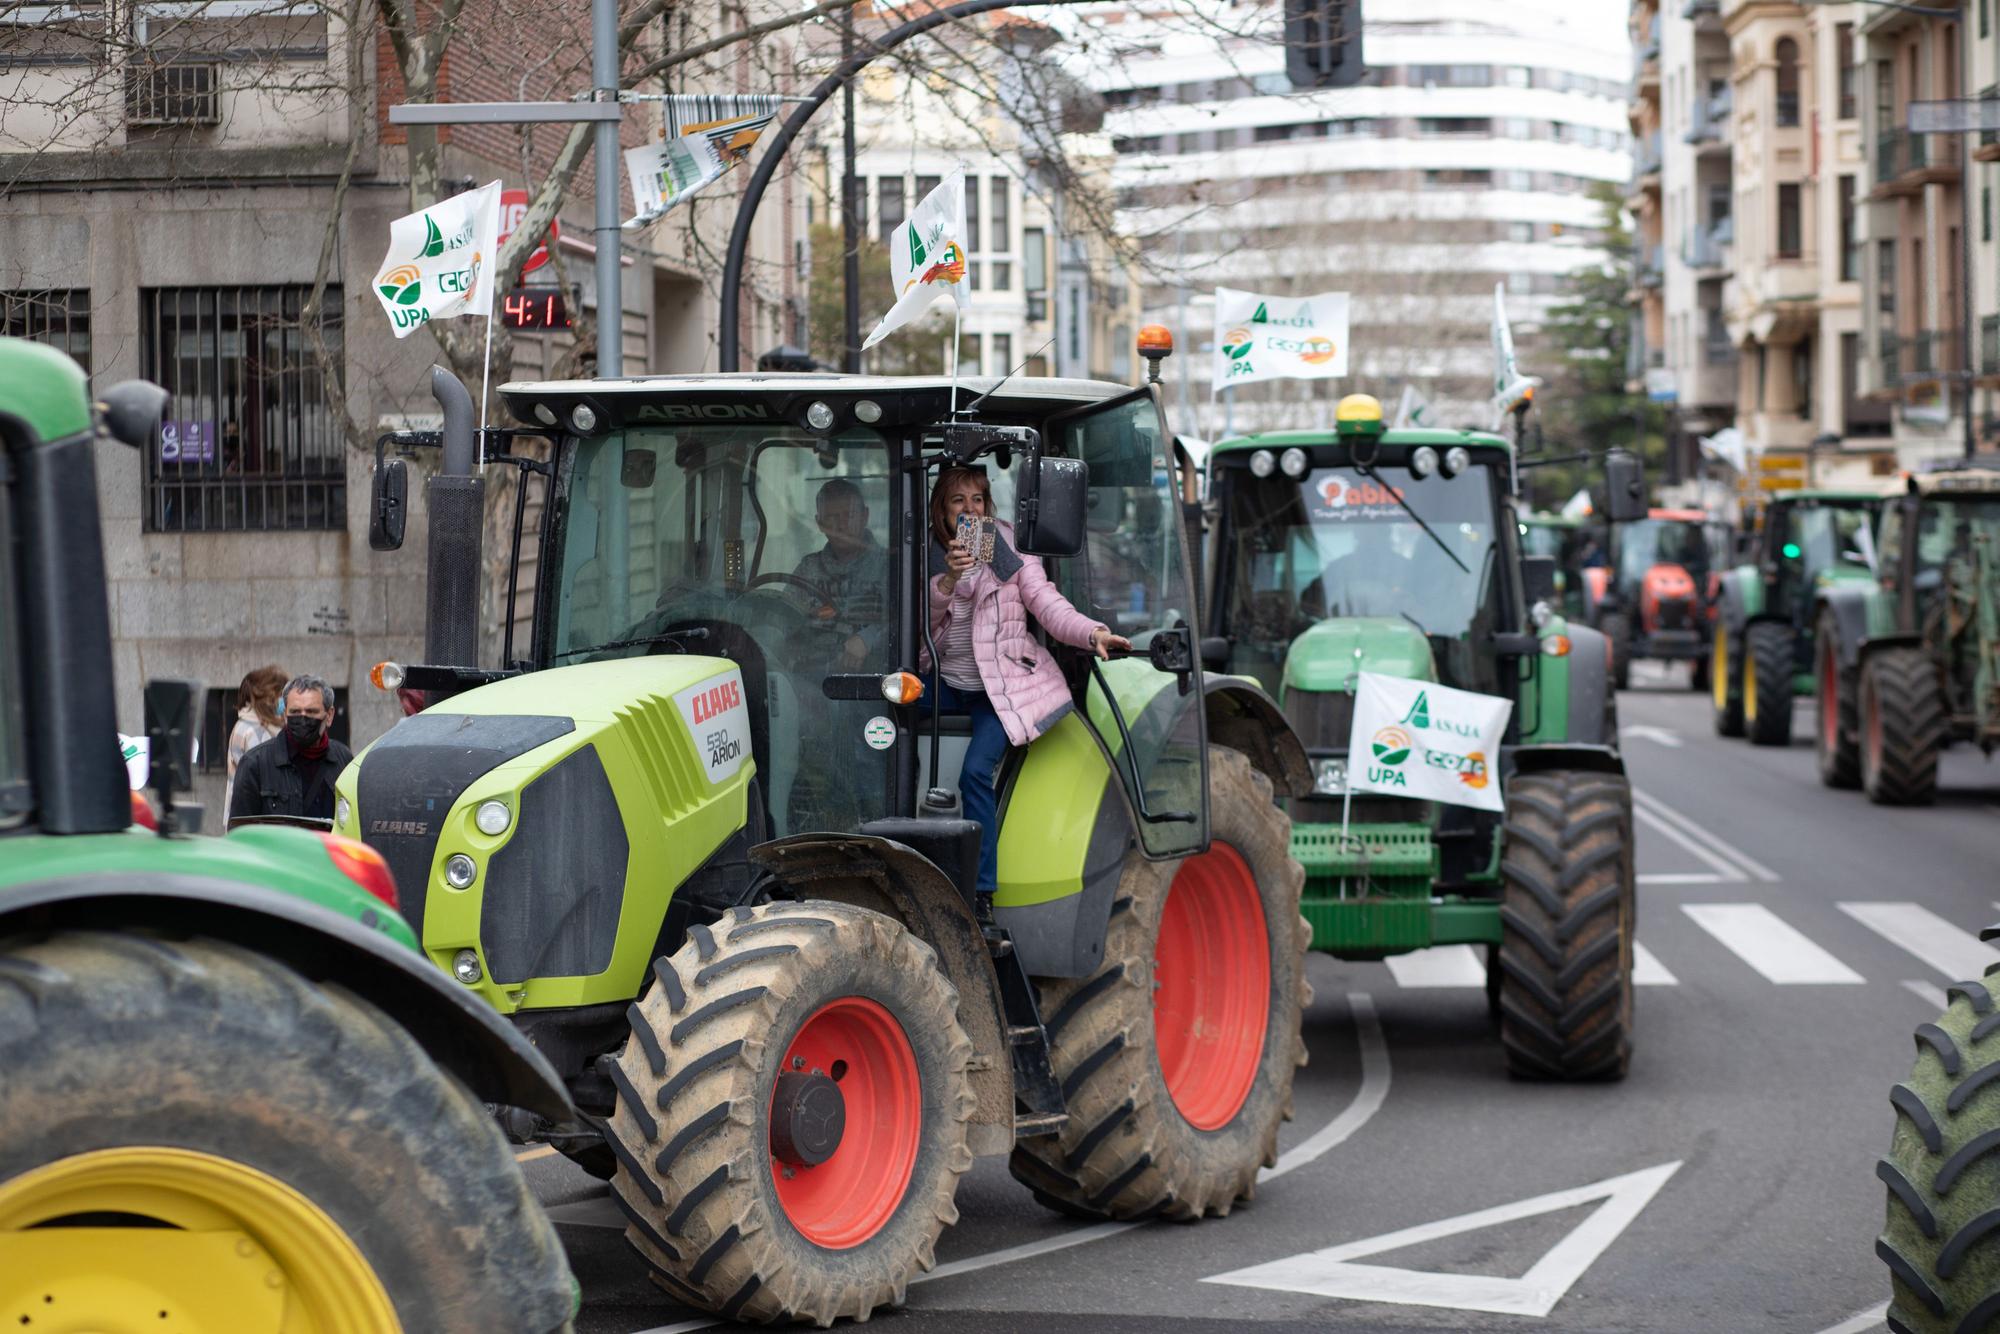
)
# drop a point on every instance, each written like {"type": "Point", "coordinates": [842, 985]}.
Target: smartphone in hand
{"type": "Point", "coordinates": [977, 536]}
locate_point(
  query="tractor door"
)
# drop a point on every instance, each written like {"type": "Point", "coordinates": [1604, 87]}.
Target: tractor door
{"type": "Point", "coordinates": [1135, 576]}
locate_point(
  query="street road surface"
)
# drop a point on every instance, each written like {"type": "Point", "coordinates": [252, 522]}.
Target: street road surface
{"type": "Point", "coordinates": [1790, 939]}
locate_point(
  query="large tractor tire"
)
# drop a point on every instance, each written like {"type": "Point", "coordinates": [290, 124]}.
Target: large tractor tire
{"type": "Point", "coordinates": [1617, 628]}
{"type": "Point", "coordinates": [792, 1114]}
{"type": "Point", "coordinates": [1902, 727]}
{"type": "Point", "coordinates": [1567, 921]}
{"type": "Point", "coordinates": [1767, 684]}
{"type": "Point", "coordinates": [1725, 681]}
{"type": "Point", "coordinates": [1943, 1174]}
{"type": "Point", "coordinates": [238, 1144]}
{"type": "Point", "coordinates": [1836, 709]}
{"type": "Point", "coordinates": [1177, 1055]}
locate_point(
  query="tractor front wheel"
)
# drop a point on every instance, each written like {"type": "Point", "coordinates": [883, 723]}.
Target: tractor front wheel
{"type": "Point", "coordinates": [1177, 1055]}
{"type": "Point", "coordinates": [1567, 921]}
{"type": "Point", "coordinates": [1725, 681]}
{"type": "Point", "coordinates": [792, 1113]}
{"type": "Point", "coordinates": [1902, 727]}
{"type": "Point", "coordinates": [238, 1147]}
{"type": "Point", "coordinates": [1836, 694]}
{"type": "Point", "coordinates": [1618, 629]}
{"type": "Point", "coordinates": [1767, 684]}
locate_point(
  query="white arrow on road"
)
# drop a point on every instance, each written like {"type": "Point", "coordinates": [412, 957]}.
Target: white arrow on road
{"type": "Point", "coordinates": [1671, 740]}
{"type": "Point", "coordinates": [1329, 1273]}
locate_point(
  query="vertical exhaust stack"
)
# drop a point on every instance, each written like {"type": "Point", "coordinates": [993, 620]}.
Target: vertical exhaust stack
{"type": "Point", "coordinates": [457, 500]}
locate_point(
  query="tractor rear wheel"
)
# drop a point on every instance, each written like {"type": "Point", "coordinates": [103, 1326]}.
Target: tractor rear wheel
{"type": "Point", "coordinates": [1836, 700]}
{"type": "Point", "coordinates": [1767, 684]}
{"type": "Point", "coordinates": [1567, 921]}
{"type": "Point", "coordinates": [1177, 1055]}
{"type": "Point", "coordinates": [239, 1145]}
{"type": "Point", "coordinates": [1618, 629]}
{"type": "Point", "coordinates": [1943, 1175]}
{"type": "Point", "coordinates": [1902, 727]}
{"type": "Point", "coordinates": [1725, 681]}
{"type": "Point", "coordinates": [792, 1113]}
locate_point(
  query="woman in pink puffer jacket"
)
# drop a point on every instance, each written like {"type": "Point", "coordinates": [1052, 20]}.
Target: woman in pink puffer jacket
{"type": "Point", "coordinates": [992, 667]}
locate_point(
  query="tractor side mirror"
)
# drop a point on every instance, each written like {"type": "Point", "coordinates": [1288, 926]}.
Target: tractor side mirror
{"type": "Point", "coordinates": [1539, 579]}
{"type": "Point", "coordinates": [1049, 510]}
{"type": "Point", "coordinates": [1624, 487]}
{"type": "Point", "coordinates": [170, 734]}
{"type": "Point", "coordinates": [131, 411]}
{"type": "Point", "coordinates": [389, 507]}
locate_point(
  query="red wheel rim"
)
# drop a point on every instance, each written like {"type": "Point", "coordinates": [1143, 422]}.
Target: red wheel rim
{"type": "Point", "coordinates": [850, 1197]}
{"type": "Point", "coordinates": [1829, 705]}
{"type": "Point", "coordinates": [1211, 987]}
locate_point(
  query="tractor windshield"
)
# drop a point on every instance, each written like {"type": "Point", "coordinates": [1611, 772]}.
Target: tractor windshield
{"type": "Point", "coordinates": [1823, 535]}
{"type": "Point", "coordinates": [1954, 537]}
{"type": "Point", "coordinates": [763, 545]}
{"type": "Point", "coordinates": [1650, 542]}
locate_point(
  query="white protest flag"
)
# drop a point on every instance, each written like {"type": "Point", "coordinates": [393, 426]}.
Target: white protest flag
{"type": "Point", "coordinates": [927, 256]}
{"type": "Point", "coordinates": [1278, 337]}
{"type": "Point", "coordinates": [1510, 387]}
{"type": "Point", "coordinates": [441, 261]}
{"type": "Point", "coordinates": [705, 136]}
{"type": "Point", "coordinates": [1413, 412]}
{"type": "Point", "coordinates": [1423, 740]}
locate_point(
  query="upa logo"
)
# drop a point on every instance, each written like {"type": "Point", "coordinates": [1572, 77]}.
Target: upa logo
{"type": "Point", "coordinates": [403, 284]}
{"type": "Point", "coordinates": [1391, 746]}
{"type": "Point", "coordinates": [1237, 343]}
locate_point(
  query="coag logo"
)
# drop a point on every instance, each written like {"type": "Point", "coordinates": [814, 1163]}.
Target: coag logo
{"type": "Point", "coordinates": [1237, 343]}
{"type": "Point", "coordinates": [1474, 774]}
{"type": "Point", "coordinates": [1391, 745]}
{"type": "Point", "coordinates": [950, 269]}
{"type": "Point", "coordinates": [402, 284]}
{"type": "Point", "coordinates": [1316, 351]}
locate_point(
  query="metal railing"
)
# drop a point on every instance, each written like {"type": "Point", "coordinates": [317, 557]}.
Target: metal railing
{"type": "Point", "coordinates": [1899, 152]}
{"type": "Point", "coordinates": [1718, 351]}
{"type": "Point", "coordinates": [1926, 355]}
{"type": "Point", "coordinates": [174, 94]}
{"type": "Point", "coordinates": [1649, 157]}
{"type": "Point", "coordinates": [1708, 247]}
{"type": "Point", "coordinates": [60, 318]}
{"type": "Point", "coordinates": [1652, 265]}
{"type": "Point", "coordinates": [1990, 93]}
{"type": "Point", "coordinates": [1695, 9]}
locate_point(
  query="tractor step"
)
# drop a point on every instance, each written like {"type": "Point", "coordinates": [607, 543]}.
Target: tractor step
{"type": "Point", "coordinates": [1028, 1125]}
{"type": "Point", "coordinates": [1036, 1092]}
{"type": "Point", "coordinates": [1026, 1035]}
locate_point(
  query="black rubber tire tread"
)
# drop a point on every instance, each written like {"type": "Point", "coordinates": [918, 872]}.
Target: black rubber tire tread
{"type": "Point", "coordinates": [1768, 721]}
{"type": "Point", "coordinates": [1941, 1234]}
{"type": "Point", "coordinates": [1728, 719]}
{"type": "Point", "coordinates": [1127, 1152]}
{"type": "Point", "coordinates": [1902, 684]}
{"type": "Point", "coordinates": [1618, 629]}
{"type": "Point", "coordinates": [1840, 765]}
{"type": "Point", "coordinates": [112, 1040]}
{"type": "Point", "coordinates": [1567, 925]}
{"type": "Point", "coordinates": [757, 978]}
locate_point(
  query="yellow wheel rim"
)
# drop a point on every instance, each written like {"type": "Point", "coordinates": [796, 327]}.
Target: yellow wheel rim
{"type": "Point", "coordinates": [1718, 671]}
{"type": "Point", "coordinates": [1749, 689]}
{"type": "Point", "coordinates": [156, 1238]}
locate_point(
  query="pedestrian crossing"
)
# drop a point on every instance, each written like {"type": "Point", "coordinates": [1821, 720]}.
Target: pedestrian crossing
{"type": "Point", "coordinates": [1756, 941]}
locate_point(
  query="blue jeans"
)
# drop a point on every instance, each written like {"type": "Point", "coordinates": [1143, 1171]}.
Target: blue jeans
{"type": "Point", "coordinates": [982, 766]}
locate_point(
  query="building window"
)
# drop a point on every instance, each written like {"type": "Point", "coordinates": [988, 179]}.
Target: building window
{"type": "Point", "coordinates": [1520, 231]}
{"type": "Point", "coordinates": [1034, 259]}
{"type": "Point", "coordinates": [1454, 126]}
{"type": "Point", "coordinates": [1003, 276]}
{"type": "Point", "coordinates": [1788, 82]}
{"type": "Point", "coordinates": [889, 204]}
{"type": "Point", "coordinates": [1850, 249]}
{"type": "Point", "coordinates": [926, 184]}
{"type": "Point", "coordinates": [248, 440]}
{"type": "Point", "coordinates": [1791, 237]}
{"type": "Point", "coordinates": [1003, 353]}
{"type": "Point", "coordinates": [1002, 230]}
{"type": "Point", "coordinates": [972, 192]}
{"type": "Point", "coordinates": [59, 318]}
{"type": "Point", "coordinates": [1885, 277]}
{"type": "Point", "coordinates": [1850, 94]}
{"type": "Point", "coordinates": [1860, 416]}
{"type": "Point", "coordinates": [1986, 213]}
{"type": "Point", "coordinates": [972, 275]}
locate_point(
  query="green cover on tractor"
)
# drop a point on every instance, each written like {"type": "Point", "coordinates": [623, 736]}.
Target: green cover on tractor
{"type": "Point", "coordinates": [701, 841]}
{"type": "Point", "coordinates": [1399, 552]}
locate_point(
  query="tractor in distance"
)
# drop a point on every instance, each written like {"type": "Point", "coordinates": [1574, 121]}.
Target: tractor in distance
{"type": "Point", "coordinates": [1656, 598]}
{"type": "Point", "coordinates": [235, 1097]}
{"type": "Point", "coordinates": [1398, 552]}
{"type": "Point", "coordinates": [703, 846]}
{"type": "Point", "coordinates": [1761, 648]}
{"type": "Point", "coordinates": [1909, 662]}
{"type": "Point", "coordinates": [1566, 541]}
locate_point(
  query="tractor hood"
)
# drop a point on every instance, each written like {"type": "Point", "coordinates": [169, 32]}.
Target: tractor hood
{"type": "Point", "coordinates": [601, 784]}
{"type": "Point", "coordinates": [1326, 657]}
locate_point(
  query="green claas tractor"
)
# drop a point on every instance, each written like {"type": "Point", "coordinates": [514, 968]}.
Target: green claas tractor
{"type": "Point", "coordinates": [233, 1095]}
{"type": "Point", "coordinates": [1761, 651]}
{"type": "Point", "coordinates": [702, 844]}
{"type": "Point", "coordinates": [1909, 662]}
{"type": "Point", "coordinates": [1398, 553]}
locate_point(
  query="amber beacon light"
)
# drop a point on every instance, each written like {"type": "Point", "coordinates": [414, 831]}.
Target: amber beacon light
{"type": "Point", "coordinates": [1156, 344]}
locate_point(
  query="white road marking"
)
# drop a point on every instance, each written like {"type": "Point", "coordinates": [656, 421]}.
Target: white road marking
{"type": "Point", "coordinates": [1439, 966]}
{"type": "Point", "coordinates": [1930, 992]}
{"type": "Point", "coordinates": [1770, 944]}
{"type": "Point", "coordinates": [1861, 1321]}
{"type": "Point", "coordinates": [1660, 735]}
{"type": "Point", "coordinates": [1648, 971]}
{"type": "Point", "coordinates": [1660, 809]}
{"type": "Point", "coordinates": [1329, 1273]}
{"type": "Point", "coordinates": [1953, 951]}
{"type": "Point", "coordinates": [1681, 878]}
{"type": "Point", "coordinates": [1724, 871]}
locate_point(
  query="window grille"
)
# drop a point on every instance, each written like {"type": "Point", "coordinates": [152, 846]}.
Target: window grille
{"type": "Point", "coordinates": [60, 318]}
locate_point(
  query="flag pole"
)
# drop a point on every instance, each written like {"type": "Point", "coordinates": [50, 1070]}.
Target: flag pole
{"type": "Point", "coordinates": [1347, 788]}
{"type": "Point", "coordinates": [952, 360]}
{"type": "Point", "coordinates": [485, 377]}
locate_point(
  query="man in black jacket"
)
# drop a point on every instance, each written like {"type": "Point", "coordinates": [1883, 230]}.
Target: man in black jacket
{"type": "Point", "coordinates": [293, 773]}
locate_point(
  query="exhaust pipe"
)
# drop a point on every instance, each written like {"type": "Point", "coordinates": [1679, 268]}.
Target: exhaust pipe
{"type": "Point", "coordinates": [457, 500]}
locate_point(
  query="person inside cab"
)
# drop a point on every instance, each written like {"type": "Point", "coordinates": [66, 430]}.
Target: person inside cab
{"type": "Point", "coordinates": [849, 576]}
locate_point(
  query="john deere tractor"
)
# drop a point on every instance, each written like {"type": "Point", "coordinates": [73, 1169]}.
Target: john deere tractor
{"type": "Point", "coordinates": [1398, 552]}
{"type": "Point", "coordinates": [233, 1095]}
{"type": "Point", "coordinates": [1761, 651]}
{"type": "Point", "coordinates": [702, 845]}
{"type": "Point", "coordinates": [1909, 662]}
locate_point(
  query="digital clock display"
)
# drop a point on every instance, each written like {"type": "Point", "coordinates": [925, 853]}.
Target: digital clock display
{"type": "Point", "coordinates": [535, 309]}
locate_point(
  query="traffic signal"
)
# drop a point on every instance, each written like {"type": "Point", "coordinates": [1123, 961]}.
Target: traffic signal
{"type": "Point", "coordinates": [1323, 43]}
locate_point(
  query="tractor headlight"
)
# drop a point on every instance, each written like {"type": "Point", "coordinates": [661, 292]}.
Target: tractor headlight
{"type": "Point", "coordinates": [341, 810]}
{"type": "Point", "coordinates": [1455, 460]}
{"type": "Point", "coordinates": [545, 414]}
{"type": "Point", "coordinates": [1540, 614]}
{"type": "Point", "coordinates": [583, 418]}
{"type": "Point", "coordinates": [1423, 461]}
{"type": "Point", "coordinates": [460, 871]}
{"type": "Point", "coordinates": [1329, 777]}
{"type": "Point", "coordinates": [868, 411]}
{"type": "Point", "coordinates": [493, 817]}
{"type": "Point", "coordinates": [1293, 462]}
{"type": "Point", "coordinates": [819, 416]}
{"type": "Point", "coordinates": [465, 967]}
{"type": "Point", "coordinates": [1263, 463]}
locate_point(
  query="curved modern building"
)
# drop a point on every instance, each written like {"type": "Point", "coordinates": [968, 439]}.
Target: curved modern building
{"type": "Point", "coordinates": [1469, 155]}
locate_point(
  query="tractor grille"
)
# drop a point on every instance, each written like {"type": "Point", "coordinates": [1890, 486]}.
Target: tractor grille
{"type": "Point", "coordinates": [1676, 614]}
{"type": "Point", "coordinates": [1323, 717]}
{"type": "Point", "coordinates": [554, 892]}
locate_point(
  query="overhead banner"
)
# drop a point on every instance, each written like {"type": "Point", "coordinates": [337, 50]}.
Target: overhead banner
{"type": "Point", "coordinates": [441, 260]}
{"type": "Point", "coordinates": [927, 256]}
{"type": "Point", "coordinates": [1278, 337]}
{"type": "Point", "coordinates": [705, 137]}
{"type": "Point", "coordinates": [1423, 740]}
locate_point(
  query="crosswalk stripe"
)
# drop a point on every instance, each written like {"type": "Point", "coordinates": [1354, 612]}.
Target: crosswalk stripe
{"type": "Point", "coordinates": [1955, 952]}
{"type": "Point", "coordinates": [1770, 944]}
{"type": "Point", "coordinates": [1929, 992]}
{"type": "Point", "coordinates": [1439, 966]}
{"type": "Point", "coordinates": [1648, 971]}
{"type": "Point", "coordinates": [1681, 878]}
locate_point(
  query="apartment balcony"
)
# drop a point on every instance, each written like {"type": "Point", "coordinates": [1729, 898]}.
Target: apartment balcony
{"type": "Point", "coordinates": [1988, 147]}
{"type": "Point", "coordinates": [1652, 263]}
{"type": "Point", "coordinates": [1648, 161]}
{"type": "Point", "coordinates": [1646, 57]}
{"type": "Point", "coordinates": [1708, 128]}
{"type": "Point", "coordinates": [1917, 358]}
{"type": "Point", "coordinates": [1705, 14]}
{"type": "Point", "coordinates": [1905, 163]}
{"type": "Point", "coordinates": [1707, 251]}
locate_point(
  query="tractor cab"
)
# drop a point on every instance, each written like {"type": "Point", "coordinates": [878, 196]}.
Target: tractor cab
{"type": "Point", "coordinates": [1656, 598]}
{"type": "Point", "coordinates": [1569, 543]}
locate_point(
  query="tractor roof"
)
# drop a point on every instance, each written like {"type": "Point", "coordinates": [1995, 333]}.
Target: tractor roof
{"type": "Point", "coordinates": [1978, 481]}
{"type": "Point", "coordinates": [1018, 393]}
{"type": "Point", "coordinates": [1544, 519]}
{"type": "Point", "coordinates": [1677, 516]}
{"type": "Point", "coordinates": [45, 391]}
{"type": "Point", "coordinates": [1835, 493]}
{"type": "Point", "coordinates": [1437, 439]}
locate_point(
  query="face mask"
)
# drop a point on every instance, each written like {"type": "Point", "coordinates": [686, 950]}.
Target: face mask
{"type": "Point", "coordinates": [303, 729]}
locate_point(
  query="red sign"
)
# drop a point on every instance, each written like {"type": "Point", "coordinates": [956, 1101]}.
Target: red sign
{"type": "Point", "coordinates": [513, 208]}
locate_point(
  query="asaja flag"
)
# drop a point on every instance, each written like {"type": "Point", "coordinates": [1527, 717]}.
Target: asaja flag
{"type": "Point", "coordinates": [441, 261]}
{"type": "Point", "coordinates": [1278, 337]}
{"type": "Point", "coordinates": [1413, 412]}
{"type": "Point", "coordinates": [704, 138]}
{"type": "Point", "coordinates": [927, 256]}
{"type": "Point", "coordinates": [1423, 740]}
{"type": "Point", "coordinates": [1510, 387]}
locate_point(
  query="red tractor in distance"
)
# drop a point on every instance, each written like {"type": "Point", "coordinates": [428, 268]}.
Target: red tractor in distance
{"type": "Point", "coordinates": [1656, 598]}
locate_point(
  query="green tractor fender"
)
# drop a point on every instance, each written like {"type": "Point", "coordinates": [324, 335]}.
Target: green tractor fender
{"type": "Point", "coordinates": [1741, 600]}
{"type": "Point", "coordinates": [455, 1027]}
{"type": "Point", "coordinates": [1862, 618]}
{"type": "Point", "coordinates": [1569, 700]}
